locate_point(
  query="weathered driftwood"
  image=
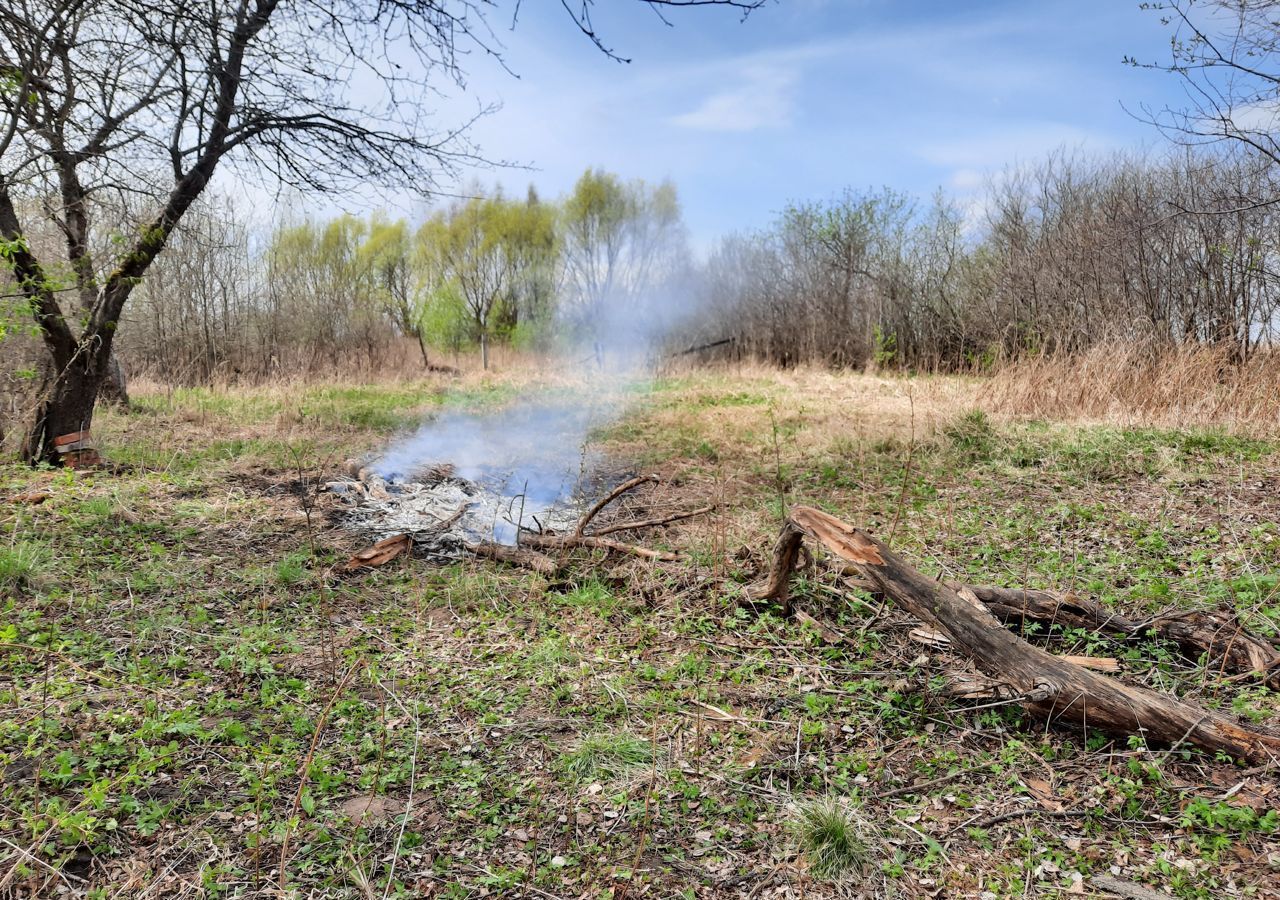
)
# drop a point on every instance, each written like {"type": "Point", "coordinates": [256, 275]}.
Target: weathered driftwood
{"type": "Point", "coordinates": [1046, 686]}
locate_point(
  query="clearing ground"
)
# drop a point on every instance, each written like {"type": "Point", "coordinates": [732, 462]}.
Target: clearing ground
{"type": "Point", "coordinates": [193, 698]}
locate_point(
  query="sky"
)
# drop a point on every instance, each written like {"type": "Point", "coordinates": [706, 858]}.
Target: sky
{"type": "Point", "coordinates": [804, 98]}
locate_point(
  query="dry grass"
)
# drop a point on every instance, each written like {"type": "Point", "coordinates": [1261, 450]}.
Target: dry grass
{"type": "Point", "coordinates": [1135, 385]}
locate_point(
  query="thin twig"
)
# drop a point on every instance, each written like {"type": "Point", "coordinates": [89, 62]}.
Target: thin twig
{"type": "Point", "coordinates": [651, 523]}
{"type": "Point", "coordinates": [306, 765]}
{"type": "Point", "coordinates": [609, 498]}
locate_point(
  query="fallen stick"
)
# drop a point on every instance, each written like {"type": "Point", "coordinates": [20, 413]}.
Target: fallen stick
{"type": "Point", "coordinates": [516, 556]}
{"type": "Point", "coordinates": [1127, 889]}
{"type": "Point", "coordinates": [1047, 686]}
{"type": "Point", "coordinates": [570, 541]}
{"type": "Point", "coordinates": [609, 498]}
{"type": "Point", "coordinates": [597, 541]}
{"type": "Point", "coordinates": [651, 523]}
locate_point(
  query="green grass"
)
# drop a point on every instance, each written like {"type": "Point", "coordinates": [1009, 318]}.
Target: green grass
{"type": "Point", "coordinates": [21, 562]}
{"type": "Point", "coordinates": [604, 757]}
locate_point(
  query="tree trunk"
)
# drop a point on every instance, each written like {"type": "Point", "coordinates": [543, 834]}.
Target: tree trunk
{"type": "Point", "coordinates": [484, 350]}
{"type": "Point", "coordinates": [65, 409]}
{"type": "Point", "coordinates": [1047, 686]}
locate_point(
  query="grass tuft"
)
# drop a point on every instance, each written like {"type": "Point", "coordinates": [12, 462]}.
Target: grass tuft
{"type": "Point", "coordinates": [21, 562]}
{"type": "Point", "coordinates": [602, 757]}
{"type": "Point", "coordinates": [831, 837]}
{"type": "Point", "coordinates": [972, 435]}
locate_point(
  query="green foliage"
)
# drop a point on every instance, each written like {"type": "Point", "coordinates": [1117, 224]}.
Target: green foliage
{"type": "Point", "coordinates": [972, 435]}
{"type": "Point", "coordinates": [21, 562]}
{"type": "Point", "coordinates": [885, 346]}
{"type": "Point", "coordinates": [488, 263]}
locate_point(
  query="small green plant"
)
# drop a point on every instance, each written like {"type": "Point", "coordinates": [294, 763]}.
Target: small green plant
{"type": "Point", "coordinates": [292, 570]}
{"type": "Point", "coordinates": [601, 757]}
{"type": "Point", "coordinates": [886, 347]}
{"type": "Point", "coordinates": [831, 837]}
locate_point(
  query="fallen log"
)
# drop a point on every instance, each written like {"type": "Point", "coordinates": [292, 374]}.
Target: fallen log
{"type": "Point", "coordinates": [1017, 606]}
{"type": "Point", "coordinates": [1221, 636]}
{"type": "Point", "coordinates": [1047, 686]}
{"type": "Point", "coordinates": [1196, 632]}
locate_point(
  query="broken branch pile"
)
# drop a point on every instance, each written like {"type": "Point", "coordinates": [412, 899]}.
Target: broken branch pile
{"type": "Point", "coordinates": [524, 554]}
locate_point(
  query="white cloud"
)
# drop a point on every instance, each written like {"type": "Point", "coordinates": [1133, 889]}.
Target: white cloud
{"type": "Point", "coordinates": [1256, 117]}
{"type": "Point", "coordinates": [966, 179]}
{"type": "Point", "coordinates": [763, 99]}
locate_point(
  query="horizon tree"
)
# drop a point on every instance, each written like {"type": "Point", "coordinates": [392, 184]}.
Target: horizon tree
{"type": "Point", "coordinates": [103, 98]}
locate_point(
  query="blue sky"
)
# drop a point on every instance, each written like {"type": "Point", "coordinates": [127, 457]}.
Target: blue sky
{"type": "Point", "coordinates": [807, 97]}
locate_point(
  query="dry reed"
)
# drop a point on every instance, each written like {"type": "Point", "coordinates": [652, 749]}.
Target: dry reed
{"type": "Point", "coordinates": [1175, 387]}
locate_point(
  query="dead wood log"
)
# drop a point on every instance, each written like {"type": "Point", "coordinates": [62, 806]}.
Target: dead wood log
{"type": "Point", "coordinates": [1196, 632]}
{"type": "Point", "coordinates": [1223, 637]}
{"type": "Point", "coordinates": [379, 554]}
{"type": "Point", "coordinates": [1219, 635]}
{"type": "Point", "coordinates": [1049, 687]}
{"type": "Point", "coordinates": [1016, 606]}
{"type": "Point", "coordinates": [516, 556]}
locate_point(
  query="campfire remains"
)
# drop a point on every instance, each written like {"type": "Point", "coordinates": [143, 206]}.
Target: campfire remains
{"type": "Point", "coordinates": [445, 516]}
{"type": "Point", "coordinates": [440, 514]}
{"type": "Point", "coordinates": [443, 513]}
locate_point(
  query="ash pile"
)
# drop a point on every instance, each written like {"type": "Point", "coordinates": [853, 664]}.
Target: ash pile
{"type": "Point", "coordinates": [472, 476]}
{"type": "Point", "coordinates": [445, 513]}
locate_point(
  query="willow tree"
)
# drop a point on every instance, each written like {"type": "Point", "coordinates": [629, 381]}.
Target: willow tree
{"type": "Point", "coordinates": [103, 98]}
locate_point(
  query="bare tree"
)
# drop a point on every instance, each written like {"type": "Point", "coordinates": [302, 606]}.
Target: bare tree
{"type": "Point", "coordinates": [1227, 55]}
{"type": "Point", "coordinates": [101, 97]}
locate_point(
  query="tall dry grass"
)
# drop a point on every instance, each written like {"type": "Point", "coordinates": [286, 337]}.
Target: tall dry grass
{"type": "Point", "coordinates": [1175, 387]}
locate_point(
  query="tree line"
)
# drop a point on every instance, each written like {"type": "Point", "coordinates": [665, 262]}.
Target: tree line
{"type": "Point", "coordinates": [1062, 256]}
{"type": "Point", "coordinates": [351, 292]}
{"type": "Point", "coordinates": [1058, 257]}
